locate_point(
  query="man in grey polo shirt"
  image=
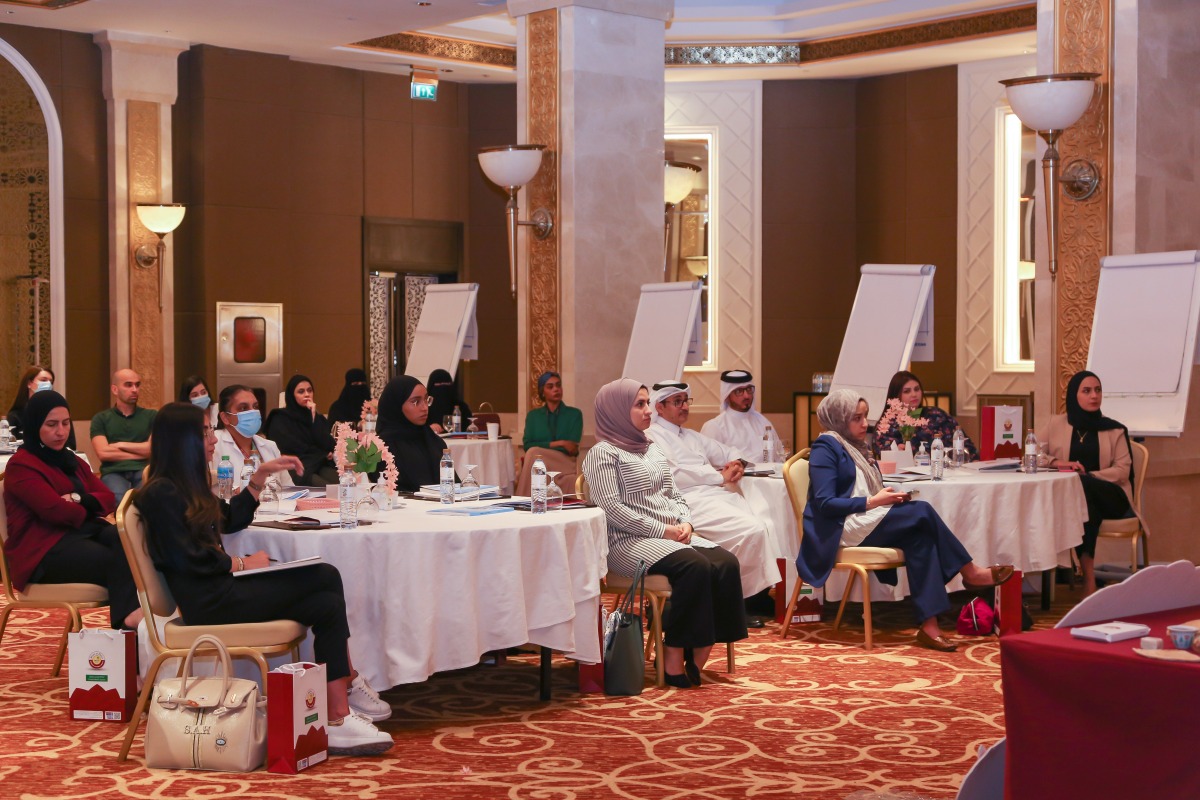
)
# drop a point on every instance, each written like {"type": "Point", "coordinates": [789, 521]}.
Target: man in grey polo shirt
{"type": "Point", "coordinates": [121, 435]}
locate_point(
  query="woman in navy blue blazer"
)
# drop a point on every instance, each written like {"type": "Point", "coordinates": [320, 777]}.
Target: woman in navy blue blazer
{"type": "Point", "coordinates": [848, 505]}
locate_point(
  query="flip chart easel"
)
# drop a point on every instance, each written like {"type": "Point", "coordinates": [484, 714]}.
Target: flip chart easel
{"type": "Point", "coordinates": [446, 331]}
{"type": "Point", "coordinates": [665, 331]}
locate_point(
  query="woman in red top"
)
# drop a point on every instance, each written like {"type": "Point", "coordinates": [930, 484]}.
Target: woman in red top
{"type": "Point", "coordinates": [59, 514]}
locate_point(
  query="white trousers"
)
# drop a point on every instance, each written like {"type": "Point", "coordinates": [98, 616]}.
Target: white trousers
{"type": "Point", "coordinates": [724, 517]}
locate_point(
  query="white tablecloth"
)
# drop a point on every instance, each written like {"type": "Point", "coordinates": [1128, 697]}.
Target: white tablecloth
{"type": "Point", "coordinates": [769, 499]}
{"type": "Point", "coordinates": [1029, 521]}
{"type": "Point", "coordinates": [493, 460]}
{"type": "Point", "coordinates": [427, 593]}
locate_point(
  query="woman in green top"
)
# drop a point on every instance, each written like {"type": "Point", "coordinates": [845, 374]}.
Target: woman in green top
{"type": "Point", "coordinates": [552, 432]}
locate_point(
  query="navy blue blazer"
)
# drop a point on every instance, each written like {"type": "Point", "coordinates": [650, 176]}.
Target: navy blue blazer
{"type": "Point", "coordinates": [831, 475]}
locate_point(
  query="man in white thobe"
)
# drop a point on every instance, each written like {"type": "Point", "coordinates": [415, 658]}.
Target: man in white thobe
{"type": "Point", "coordinates": [706, 473]}
{"type": "Point", "coordinates": [739, 424]}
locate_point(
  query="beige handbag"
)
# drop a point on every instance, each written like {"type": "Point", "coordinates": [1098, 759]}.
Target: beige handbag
{"type": "Point", "coordinates": [217, 723]}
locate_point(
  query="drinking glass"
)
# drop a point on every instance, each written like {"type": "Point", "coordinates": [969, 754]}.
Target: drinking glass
{"type": "Point", "coordinates": [472, 428]}
{"type": "Point", "coordinates": [554, 495]}
{"type": "Point", "coordinates": [470, 486]}
{"type": "Point", "coordinates": [1043, 457]}
{"type": "Point", "coordinates": [268, 498]}
{"type": "Point", "coordinates": [448, 424]}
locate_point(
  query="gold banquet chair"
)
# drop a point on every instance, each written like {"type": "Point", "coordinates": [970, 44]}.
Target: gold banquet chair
{"type": "Point", "coordinates": [658, 592]}
{"type": "Point", "coordinates": [255, 640]}
{"type": "Point", "coordinates": [1131, 528]}
{"type": "Point", "coordinates": [859, 561]}
{"type": "Point", "coordinates": [74, 597]}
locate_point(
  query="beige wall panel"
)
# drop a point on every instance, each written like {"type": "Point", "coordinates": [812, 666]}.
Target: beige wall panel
{"type": "Point", "coordinates": [86, 245]}
{"type": "Point", "coordinates": [448, 112]}
{"type": "Point", "coordinates": [246, 256]}
{"type": "Point", "coordinates": [87, 352]}
{"type": "Point", "coordinates": [323, 347]}
{"type": "Point", "coordinates": [246, 158]}
{"type": "Point", "coordinates": [324, 267]}
{"type": "Point", "coordinates": [386, 97]}
{"type": "Point", "coordinates": [388, 174]}
{"type": "Point", "coordinates": [82, 62]}
{"type": "Point", "coordinates": [258, 78]}
{"type": "Point", "coordinates": [439, 173]}
{"type": "Point", "coordinates": [322, 89]}
{"type": "Point", "coordinates": [85, 167]}
{"type": "Point", "coordinates": [326, 164]}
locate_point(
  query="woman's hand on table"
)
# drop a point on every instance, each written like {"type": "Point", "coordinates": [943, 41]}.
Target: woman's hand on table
{"type": "Point", "coordinates": [888, 496]}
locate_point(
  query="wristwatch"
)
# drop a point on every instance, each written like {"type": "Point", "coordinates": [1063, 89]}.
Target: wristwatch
{"type": "Point", "coordinates": [75, 498]}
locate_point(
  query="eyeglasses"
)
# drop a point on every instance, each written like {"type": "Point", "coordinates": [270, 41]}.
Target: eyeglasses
{"type": "Point", "coordinates": [417, 402]}
{"type": "Point", "coordinates": [743, 390]}
{"type": "Point", "coordinates": [678, 402]}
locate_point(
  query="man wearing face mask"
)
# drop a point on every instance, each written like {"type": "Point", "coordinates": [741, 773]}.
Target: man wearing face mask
{"type": "Point", "coordinates": [238, 423]}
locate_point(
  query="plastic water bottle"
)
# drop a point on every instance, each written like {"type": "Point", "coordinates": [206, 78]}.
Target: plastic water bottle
{"type": "Point", "coordinates": [921, 459]}
{"type": "Point", "coordinates": [225, 478]}
{"type": "Point", "coordinates": [456, 420]}
{"type": "Point", "coordinates": [937, 459]}
{"type": "Point", "coordinates": [1029, 462]}
{"type": "Point", "coordinates": [347, 502]}
{"type": "Point", "coordinates": [959, 443]}
{"type": "Point", "coordinates": [768, 450]}
{"type": "Point", "coordinates": [446, 475]}
{"type": "Point", "coordinates": [5, 434]}
{"type": "Point", "coordinates": [248, 470]}
{"type": "Point", "coordinates": [537, 491]}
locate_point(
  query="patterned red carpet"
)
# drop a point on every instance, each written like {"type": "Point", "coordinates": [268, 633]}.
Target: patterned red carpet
{"type": "Point", "coordinates": [813, 717]}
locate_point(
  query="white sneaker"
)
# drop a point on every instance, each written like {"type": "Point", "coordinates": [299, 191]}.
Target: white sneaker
{"type": "Point", "coordinates": [357, 736]}
{"type": "Point", "coordinates": [366, 701]}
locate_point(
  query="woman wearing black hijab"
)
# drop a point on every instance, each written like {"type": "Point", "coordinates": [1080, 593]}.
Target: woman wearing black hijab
{"type": "Point", "coordinates": [444, 391]}
{"type": "Point", "coordinates": [301, 431]}
{"type": "Point", "coordinates": [57, 510]}
{"type": "Point", "coordinates": [417, 450]}
{"type": "Point", "coordinates": [1097, 448]}
{"type": "Point", "coordinates": [348, 406]}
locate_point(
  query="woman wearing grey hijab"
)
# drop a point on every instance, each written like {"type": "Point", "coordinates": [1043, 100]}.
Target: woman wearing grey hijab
{"type": "Point", "coordinates": [629, 478]}
{"type": "Point", "coordinates": [848, 505]}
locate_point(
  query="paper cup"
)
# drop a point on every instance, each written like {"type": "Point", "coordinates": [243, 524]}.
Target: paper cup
{"type": "Point", "coordinates": [493, 431]}
{"type": "Point", "coordinates": [888, 467]}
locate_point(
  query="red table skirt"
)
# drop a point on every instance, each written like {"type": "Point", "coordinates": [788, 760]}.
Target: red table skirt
{"type": "Point", "coordinates": [1094, 720]}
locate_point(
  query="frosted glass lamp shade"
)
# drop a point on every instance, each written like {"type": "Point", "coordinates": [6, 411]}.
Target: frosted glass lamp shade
{"type": "Point", "coordinates": [679, 178]}
{"type": "Point", "coordinates": [161, 218]}
{"type": "Point", "coordinates": [1051, 102]}
{"type": "Point", "coordinates": [513, 165]}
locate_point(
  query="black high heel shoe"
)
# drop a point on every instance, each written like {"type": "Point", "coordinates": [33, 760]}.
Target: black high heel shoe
{"type": "Point", "coordinates": [689, 666]}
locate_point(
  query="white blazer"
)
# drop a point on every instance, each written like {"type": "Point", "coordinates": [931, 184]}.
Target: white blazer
{"type": "Point", "coordinates": [267, 450]}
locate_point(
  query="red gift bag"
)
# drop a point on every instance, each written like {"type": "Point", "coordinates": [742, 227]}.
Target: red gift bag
{"type": "Point", "coordinates": [102, 674]}
{"type": "Point", "coordinates": [297, 717]}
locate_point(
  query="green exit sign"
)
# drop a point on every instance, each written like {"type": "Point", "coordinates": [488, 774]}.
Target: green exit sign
{"type": "Point", "coordinates": [424, 91]}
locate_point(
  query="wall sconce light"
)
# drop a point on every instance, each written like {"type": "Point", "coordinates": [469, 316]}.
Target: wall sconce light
{"type": "Point", "coordinates": [679, 178]}
{"type": "Point", "coordinates": [160, 219]}
{"type": "Point", "coordinates": [1049, 104]}
{"type": "Point", "coordinates": [511, 166]}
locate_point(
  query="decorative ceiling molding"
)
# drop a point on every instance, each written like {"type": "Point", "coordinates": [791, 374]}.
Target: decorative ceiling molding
{"type": "Point", "coordinates": [443, 48]}
{"type": "Point", "coordinates": [49, 5]}
{"type": "Point", "coordinates": [944, 31]}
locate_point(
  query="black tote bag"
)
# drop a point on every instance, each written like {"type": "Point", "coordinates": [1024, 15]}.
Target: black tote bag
{"type": "Point", "coordinates": [624, 662]}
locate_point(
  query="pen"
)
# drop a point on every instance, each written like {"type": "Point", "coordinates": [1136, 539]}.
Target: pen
{"type": "Point", "coordinates": [272, 560]}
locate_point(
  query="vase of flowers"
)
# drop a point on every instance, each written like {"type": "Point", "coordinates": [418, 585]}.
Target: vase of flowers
{"type": "Point", "coordinates": [362, 452]}
{"type": "Point", "coordinates": [906, 419]}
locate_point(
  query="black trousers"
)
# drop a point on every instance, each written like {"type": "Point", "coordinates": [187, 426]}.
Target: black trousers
{"type": "Point", "coordinates": [706, 597]}
{"type": "Point", "coordinates": [311, 595]}
{"type": "Point", "coordinates": [1105, 500]}
{"type": "Point", "coordinates": [92, 554]}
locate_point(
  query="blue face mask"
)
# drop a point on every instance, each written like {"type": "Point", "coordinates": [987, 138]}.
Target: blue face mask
{"type": "Point", "coordinates": [44, 386]}
{"type": "Point", "coordinates": [202, 401]}
{"type": "Point", "coordinates": [249, 422]}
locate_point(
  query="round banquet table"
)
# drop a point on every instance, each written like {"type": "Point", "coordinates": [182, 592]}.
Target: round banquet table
{"type": "Point", "coordinates": [427, 592]}
{"type": "Point", "coordinates": [493, 460]}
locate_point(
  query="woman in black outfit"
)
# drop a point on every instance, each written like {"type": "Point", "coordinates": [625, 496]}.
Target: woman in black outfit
{"type": "Point", "coordinates": [301, 431]}
{"type": "Point", "coordinates": [348, 406]}
{"type": "Point", "coordinates": [417, 450]}
{"type": "Point", "coordinates": [445, 395]}
{"type": "Point", "coordinates": [184, 523]}
{"type": "Point", "coordinates": [33, 379]}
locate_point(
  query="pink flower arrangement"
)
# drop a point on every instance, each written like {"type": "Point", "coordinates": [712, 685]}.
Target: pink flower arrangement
{"type": "Point", "coordinates": [370, 408]}
{"type": "Point", "coordinates": [362, 452]}
{"type": "Point", "coordinates": [906, 418]}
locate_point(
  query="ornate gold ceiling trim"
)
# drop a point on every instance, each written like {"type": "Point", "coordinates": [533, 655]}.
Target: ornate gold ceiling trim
{"type": "Point", "coordinates": [49, 5]}
{"type": "Point", "coordinates": [942, 31]}
{"type": "Point", "coordinates": [443, 48]}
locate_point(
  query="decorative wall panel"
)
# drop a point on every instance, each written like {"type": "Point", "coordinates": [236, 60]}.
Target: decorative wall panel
{"type": "Point", "coordinates": [145, 316]}
{"type": "Point", "coordinates": [379, 323]}
{"type": "Point", "coordinates": [980, 97]}
{"type": "Point", "coordinates": [414, 301]}
{"type": "Point", "coordinates": [1084, 45]}
{"type": "Point", "coordinates": [542, 192]}
{"type": "Point", "coordinates": [734, 111]}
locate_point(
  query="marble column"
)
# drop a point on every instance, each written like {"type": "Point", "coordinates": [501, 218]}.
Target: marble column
{"type": "Point", "coordinates": [591, 87]}
{"type": "Point", "coordinates": [140, 86]}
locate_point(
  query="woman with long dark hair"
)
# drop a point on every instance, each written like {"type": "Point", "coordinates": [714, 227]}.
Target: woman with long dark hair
{"type": "Point", "coordinates": [302, 431]}
{"type": "Point", "coordinates": [906, 387]}
{"type": "Point", "coordinates": [184, 524]}
{"type": "Point", "coordinates": [59, 526]}
{"type": "Point", "coordinates": [403, 427]}
{"type": "Point", "coordinates": [1097, 448]}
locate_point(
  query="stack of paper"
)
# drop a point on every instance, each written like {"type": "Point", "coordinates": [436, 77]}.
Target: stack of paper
{"type": "Point", "coordinates": [1111, 631]}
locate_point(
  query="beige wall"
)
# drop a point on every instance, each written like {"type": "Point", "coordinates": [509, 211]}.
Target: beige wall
{"type": "Point", "coordinates": [854, 172]}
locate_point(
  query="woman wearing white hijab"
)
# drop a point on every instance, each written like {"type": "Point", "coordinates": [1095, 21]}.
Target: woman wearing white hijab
{"type": "Point", "coordinates": [848, 505]}
{"type": "Point", "coordinates": [648, 520]}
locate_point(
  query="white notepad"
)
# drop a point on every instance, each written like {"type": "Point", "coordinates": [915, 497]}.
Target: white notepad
{"type": "Point", "coordinates": [300, 562]}
{"type": "Point", "coordinates": [1111, 631]}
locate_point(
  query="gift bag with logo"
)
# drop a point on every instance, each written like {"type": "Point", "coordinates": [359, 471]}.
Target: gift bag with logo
{"type": "Point", "coordinates": [1001, 434]}
{"type": "Point", "coordinates": [217, 722]}
{"type": "Point", "coordinates": [297, 717]}
{"type": "Point", "coordinates": [102, 674]}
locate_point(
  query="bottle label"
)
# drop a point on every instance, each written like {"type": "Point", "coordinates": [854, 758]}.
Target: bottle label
{"type": "Point", "coordinates": [447, 473]}
{"type": "Point", "coordinates": [538, 482]}
{"type": "Point", "coordinates": [1031, 449]}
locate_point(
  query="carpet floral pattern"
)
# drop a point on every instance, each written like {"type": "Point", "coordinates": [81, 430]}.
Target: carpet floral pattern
{"type": "Point", "coordinates": [815, 716]}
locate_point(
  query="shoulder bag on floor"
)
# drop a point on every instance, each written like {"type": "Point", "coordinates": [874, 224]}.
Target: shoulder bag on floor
{"type": "Point", "coordinates": [217, 722]}
{"type": "Point", "coordinates": [624, 662]}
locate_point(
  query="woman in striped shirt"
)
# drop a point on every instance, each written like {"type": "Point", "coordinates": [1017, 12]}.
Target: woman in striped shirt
{"type": "Point", "coordinates": [648, 520]}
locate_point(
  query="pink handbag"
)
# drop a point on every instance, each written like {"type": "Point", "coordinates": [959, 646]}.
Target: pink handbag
{"type": "Point", "coordinates": [977, 618]}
